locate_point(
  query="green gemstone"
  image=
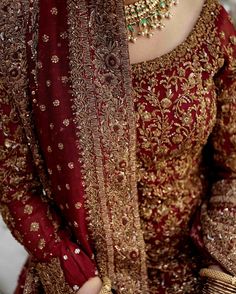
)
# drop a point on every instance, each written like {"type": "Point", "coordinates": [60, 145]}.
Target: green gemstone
{"type": "Point", "coordinates": [162, 4]}
{"type": "Point", "coordinates": [143, 21]}
{"type": "Point", "coordinates": [130, 28]}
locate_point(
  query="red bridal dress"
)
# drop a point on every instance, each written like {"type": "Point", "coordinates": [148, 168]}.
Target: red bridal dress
{"type": "Point", "coordinates": [185, 103]}
{"type": "Point", "coordinates": [185, 108]}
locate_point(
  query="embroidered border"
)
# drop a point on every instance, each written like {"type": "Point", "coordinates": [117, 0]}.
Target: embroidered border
{"type": "Point", "coordinates": [83, 104]}
{"type": "Point", "coordinates": [106, 139]}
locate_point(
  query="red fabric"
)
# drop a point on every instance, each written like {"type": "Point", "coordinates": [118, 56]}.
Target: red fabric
{"type": "Point", "coordinates": [175, 176]}
{"type": "Point", "coordinates": [58, 228]}
{"type": "Point", "coordinates": [53, 118]}
{"type": "Point", "coordinates": [53, 25]}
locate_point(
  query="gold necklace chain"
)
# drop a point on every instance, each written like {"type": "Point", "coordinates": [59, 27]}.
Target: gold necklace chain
{"type": "Point", "coordinates": [146, 15]}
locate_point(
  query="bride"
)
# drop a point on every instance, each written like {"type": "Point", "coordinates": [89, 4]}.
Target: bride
{"type": "Point", "coordinates": [117, 144]}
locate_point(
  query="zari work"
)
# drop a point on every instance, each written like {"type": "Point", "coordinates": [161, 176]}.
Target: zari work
{"type": "Point", "coordinates": [185, 105]}
{"type": "Point", "coordinates": [68, 158]}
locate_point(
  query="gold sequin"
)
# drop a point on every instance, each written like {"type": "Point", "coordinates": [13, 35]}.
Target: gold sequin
{"type": "Point", "coordinates": [58, 167]}
{"type": "Point", "coordinates": [61, 146]}
{"type": "Point", "coordinates": [42, 107]}
{"type": "Point", "coordinates": [55, 59]}
{"type": "Point", "coordinates": [56, 103]}
{"type": "Point", "coordinates": [54, 11]}
{"type": "Point", "coordinates": [64, 79]}
{"type": "Point", "coordinates": [45, 38]}
{"type": "Point", "coordinates": [49, 148]}
{"type": "Point", "coordinates": [51, 124]}
{"type": "Point", "coordinates": [78, 205]}
{"type": "Point", "coordinates": [66, 122]}
{"type": "Point", "coordinates": [71, 165]}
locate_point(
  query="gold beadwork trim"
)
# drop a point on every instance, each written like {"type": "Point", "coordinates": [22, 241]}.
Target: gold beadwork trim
{"type": "Point", "coordinates": [104, 181]}
{"type": "Point", "coordinates": [214, 274]}
{"type": "Point", "coordinates": [106, 289]}
{"type": "Point", "coordinates": [92, 159]}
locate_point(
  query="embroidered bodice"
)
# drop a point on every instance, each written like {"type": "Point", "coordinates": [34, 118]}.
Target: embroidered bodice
{"type": "Point", "coordinates": [182, 111]}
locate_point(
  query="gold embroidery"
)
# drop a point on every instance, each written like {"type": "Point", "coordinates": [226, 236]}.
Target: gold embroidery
{"type": "Point", "coordinates": [52, 277]}
{"type": "Point", "coordinates": [233, 40]}
{"type": "Point", "coordinates": [20, 143]}
{"type": "Point", "coordinates": [55, 59]}
{"type": "Point", "coordinates": [176, 110]}
{"type": "Point", "coordinates": [32, 283]}
{"type": "Point", "coordinates": [78, 205]}
{"type": "Point", "coordinates": [41, 244]}
{"type": "Point", "coordinates": [108, 185]}
{"type": "Point", "coordinates": [28, 209]}
{"type": "Point", "coordinates": [54, 11]}
{"type": "Point", "coordinates": [218, 218]}
{"type": "Point", "coordinates": [45, 38]}
{"type": "Point", "coordinates": [56, 103]}
{"type": "Point", "coordinates": [34, 227]}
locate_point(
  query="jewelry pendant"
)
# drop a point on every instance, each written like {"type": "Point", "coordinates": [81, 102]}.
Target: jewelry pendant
{"type": "Point", "coordinates": [144, 16]}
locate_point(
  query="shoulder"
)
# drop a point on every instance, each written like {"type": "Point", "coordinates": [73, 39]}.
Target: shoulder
{"type": "Point", "coordinates": [225, 23]}
{"type": "Point", "coordinates": [219, 30]}
{"type": "Point", "coordinates": [226, 31]}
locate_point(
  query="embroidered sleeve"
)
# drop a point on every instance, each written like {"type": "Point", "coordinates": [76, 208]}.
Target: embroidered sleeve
{"type": "Point", "coordinates": [32, 218]}
{"type": "Point", "coordinates": [218, 216]}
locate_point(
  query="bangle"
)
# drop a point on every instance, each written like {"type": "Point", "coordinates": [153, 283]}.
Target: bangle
{"type": "Point", "coordinates": [106, 288]}
{"type": "Point", "coordinates": [218, 282]}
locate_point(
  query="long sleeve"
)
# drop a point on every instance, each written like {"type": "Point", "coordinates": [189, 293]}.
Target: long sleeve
{"type": "Point", "coordinates": [61, 266]}
{"type": "Point", "coordinates": [27, 212]}
{"type": "Point", "coordinates": [218, 215]}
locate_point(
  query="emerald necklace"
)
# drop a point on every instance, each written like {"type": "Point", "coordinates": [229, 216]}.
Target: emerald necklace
{"type": "Point", "coordinates": [144, 16]}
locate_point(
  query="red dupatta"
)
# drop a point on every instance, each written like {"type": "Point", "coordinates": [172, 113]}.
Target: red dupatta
{"type": "Point", "coordinates": [78, 59]}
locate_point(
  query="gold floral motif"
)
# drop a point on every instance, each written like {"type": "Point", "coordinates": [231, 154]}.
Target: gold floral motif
{"type": "Point", "coordinates": [34, 227]}
{"type": "Point", "coordinates": [28, 209]}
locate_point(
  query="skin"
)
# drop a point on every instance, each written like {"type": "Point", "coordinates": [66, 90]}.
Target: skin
{"type": "Point", "coordinates": [92, 286]}
{"type": "Point", "coordinates": [185, 16]}
{"type": "Point", "coordinates": [175, 32]}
